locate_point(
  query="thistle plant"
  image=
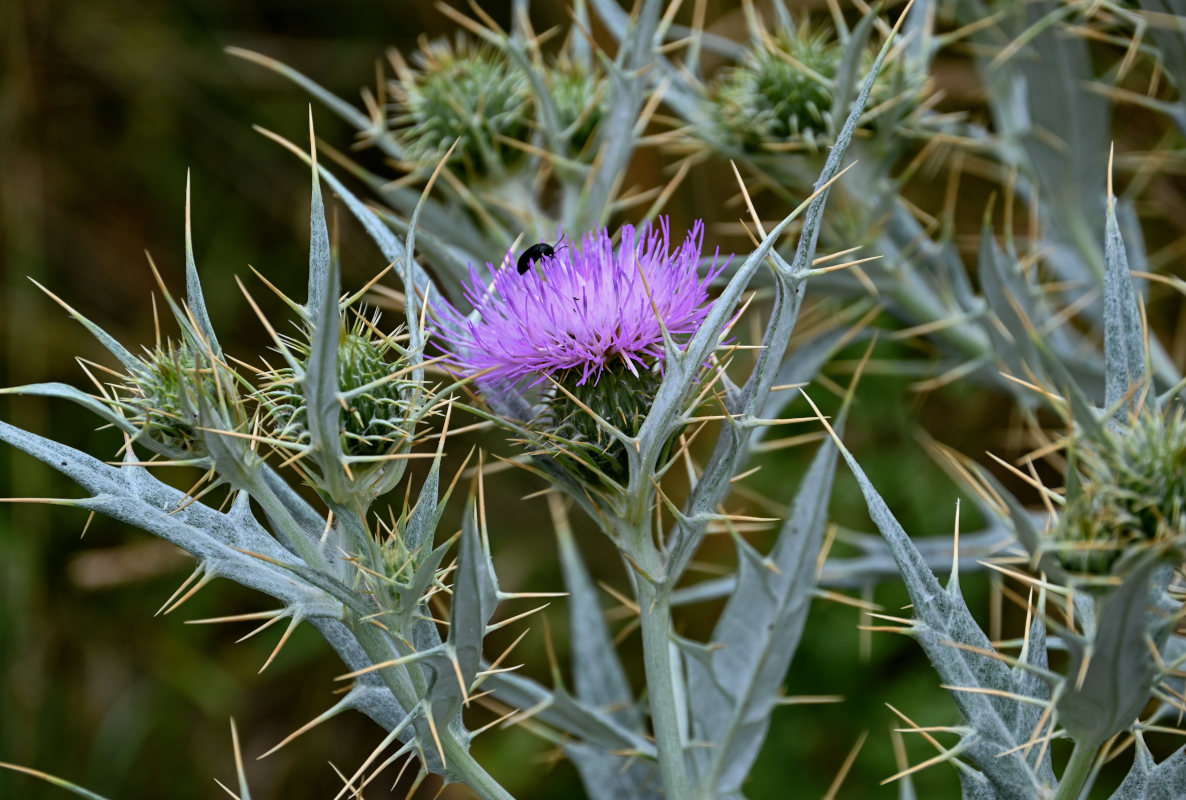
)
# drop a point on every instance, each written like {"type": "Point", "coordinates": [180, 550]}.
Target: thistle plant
{"type": "Point", "coordinates": [621, 363]}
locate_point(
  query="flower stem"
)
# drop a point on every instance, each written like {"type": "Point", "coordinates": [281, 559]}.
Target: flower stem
{"type": "Point", "coordinates": [655, 610]}
{"type": "Point", "coordinates": [469, 771]}
{"type": "Point", "coordinates": [1075, 777]}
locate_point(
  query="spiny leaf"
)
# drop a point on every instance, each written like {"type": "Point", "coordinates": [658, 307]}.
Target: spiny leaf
{"type": "Point", "coordinates": [733, 695]}
{"type": "Point", "coordinates": [944, 620]}
{"type": "Point", "coordinates": [1124, 341]}
{"type": "Point", "coordinates": [193, 286]}
{"type": "Point", "coordinates": [475, 596]}
{"type": "Point", "coordinates": [597, 670]}
{"type": "Point", "coordinates": [1121, 671]}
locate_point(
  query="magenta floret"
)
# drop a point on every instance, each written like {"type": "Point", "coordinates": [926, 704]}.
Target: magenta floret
{"type": "Point", "coordinates": [584, 310]}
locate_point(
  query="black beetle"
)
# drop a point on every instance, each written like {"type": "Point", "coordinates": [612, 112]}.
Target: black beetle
{"type": "Point", "coordinates": [535, 254]}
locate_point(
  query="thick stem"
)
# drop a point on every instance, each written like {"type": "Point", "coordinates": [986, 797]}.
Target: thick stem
{"type": "Point", "coordinates": [1078, 772]}
{"type": "Point", "coordinates": [655, 605]}
{"type": "Point", "coordinates": [465, 768]}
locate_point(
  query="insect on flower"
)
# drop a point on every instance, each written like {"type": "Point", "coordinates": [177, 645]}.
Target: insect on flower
{"type": "Point", "coordinates": [535, 254]}
{"type": "Point", "coordinates": [606, 309]}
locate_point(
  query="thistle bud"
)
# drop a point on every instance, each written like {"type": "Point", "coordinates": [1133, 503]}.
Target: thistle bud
{"type": "Point", "coordinates": [780, 92]}
{"type": "Point", "coordinates": [378, 403]}
{"type": "Point", "coordinates": [461, 91]}
{"type": "Point", "coordinates": [163, 396]}
{"type": "Point", "coordinates": [1129, 493]}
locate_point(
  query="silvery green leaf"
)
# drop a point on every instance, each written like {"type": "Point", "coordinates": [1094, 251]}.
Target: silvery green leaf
{"type": "Point", "coordinates": [1012, 299]}
{"type": "Point", "coordinates": [1124, 342]}
{"type": "Point", "coordinates": [1136, 784]}
{"type": "Point", "coordinates": [1027, 679]}
{"type": "Point", "coordinates": [682, 367]}
{"type": "Point", "coordinates": [131, 494]}
{"type": "Point", "coordinates": [193, 286]}
{"type": "Point", "coordinates": [974, 786]}
{"type": "Point", "coordinates": [626, 95]}
{"type": "Point", "coordinates": [733, 695]}
{"type": "Point", "coordinates": [445, 256]}
{"type": "Point", "coordinates": [1055, 126]}
{"type": "Point", "coordinates": [1120, 670]}
{"type": "Point", "coordinates": [427, 563]}
{"type": "Point", "coordinates": [563, 712]}
{"type": "Point", "coordinates": [597, 671]}
{"type": "Point", "coordinates": [475, 596]}
{"type": "Point", "coordinates": [321, 281]}
{"type": "Point", "coordinates": [610, 777]}
{"type": "Point", "coordinates": [1150, 781]}
{"type": "Point", "coordinates": [943, 621]}
{"type": "Point", "coordinates": [297, 508]}
{"type": "Point", "coordinates": [67, 392]}
{"type": "Point", "coordinates": [872, 566]}
{"type": "Point", "coordinates": [235, 463]}
{"type": "Point", "coordinates": [389, 245]}
{"type": "Point", "coordinates": [422, 522]}
{"type": "Point", "coordinates": [319, 384]}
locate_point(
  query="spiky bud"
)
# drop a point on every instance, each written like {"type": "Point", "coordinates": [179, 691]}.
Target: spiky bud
{"type": "Point", "coordinates": [1130, 493]}
{"type": "Point", "coordinates": [577, 439]}
{"type": "Point", "coordinates": [781, 91]}
{"type": "Point", "coordinates": [462, 91]}
{"type": "Point", "coordinates": [377, 413]}
{"type": "Point", "coordinates": [163, 396]}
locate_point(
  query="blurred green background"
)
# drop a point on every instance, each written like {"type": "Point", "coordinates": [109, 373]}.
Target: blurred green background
{"type": "Point", "coordinates": [103, 108]}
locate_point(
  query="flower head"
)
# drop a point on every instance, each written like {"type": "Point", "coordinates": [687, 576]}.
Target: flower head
{"type": "Point", "coordinates": [588, 309]}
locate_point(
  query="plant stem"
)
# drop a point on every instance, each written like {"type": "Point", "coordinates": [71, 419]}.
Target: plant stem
{"type": "Point", "coordinates": [655, 610]}
{"type": "Point", "coordinates": [1076, 775]}
{"type": "Point", "coordinates": [463, 765]}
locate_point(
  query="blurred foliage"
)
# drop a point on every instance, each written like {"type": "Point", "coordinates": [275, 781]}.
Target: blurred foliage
{"type": "Point", "coordinates": [103, 108]}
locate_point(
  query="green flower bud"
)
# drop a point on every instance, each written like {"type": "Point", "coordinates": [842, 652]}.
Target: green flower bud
{"type": "Point", "coordinates": [375, 420]}
{"type": "Point", "coordinates": [579, 99]}
{"type": "Point", "coordinates": [1130, 494]}
{"type": "Point", "coordinates": [781, 92]}
{"type": "Point", "coordinates": [577, 440]}
{"type": "Point", "coordinates": [163, 396]}
{"type": "Point", "coordinates": [462, 91]}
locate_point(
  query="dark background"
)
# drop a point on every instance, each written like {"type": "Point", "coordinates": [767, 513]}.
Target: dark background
{"type": "Point", "coordinates": [103, 108]}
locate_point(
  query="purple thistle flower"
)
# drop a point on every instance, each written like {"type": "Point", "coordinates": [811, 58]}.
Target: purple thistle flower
{"type": "Point", "coordinates": [584, 310]}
